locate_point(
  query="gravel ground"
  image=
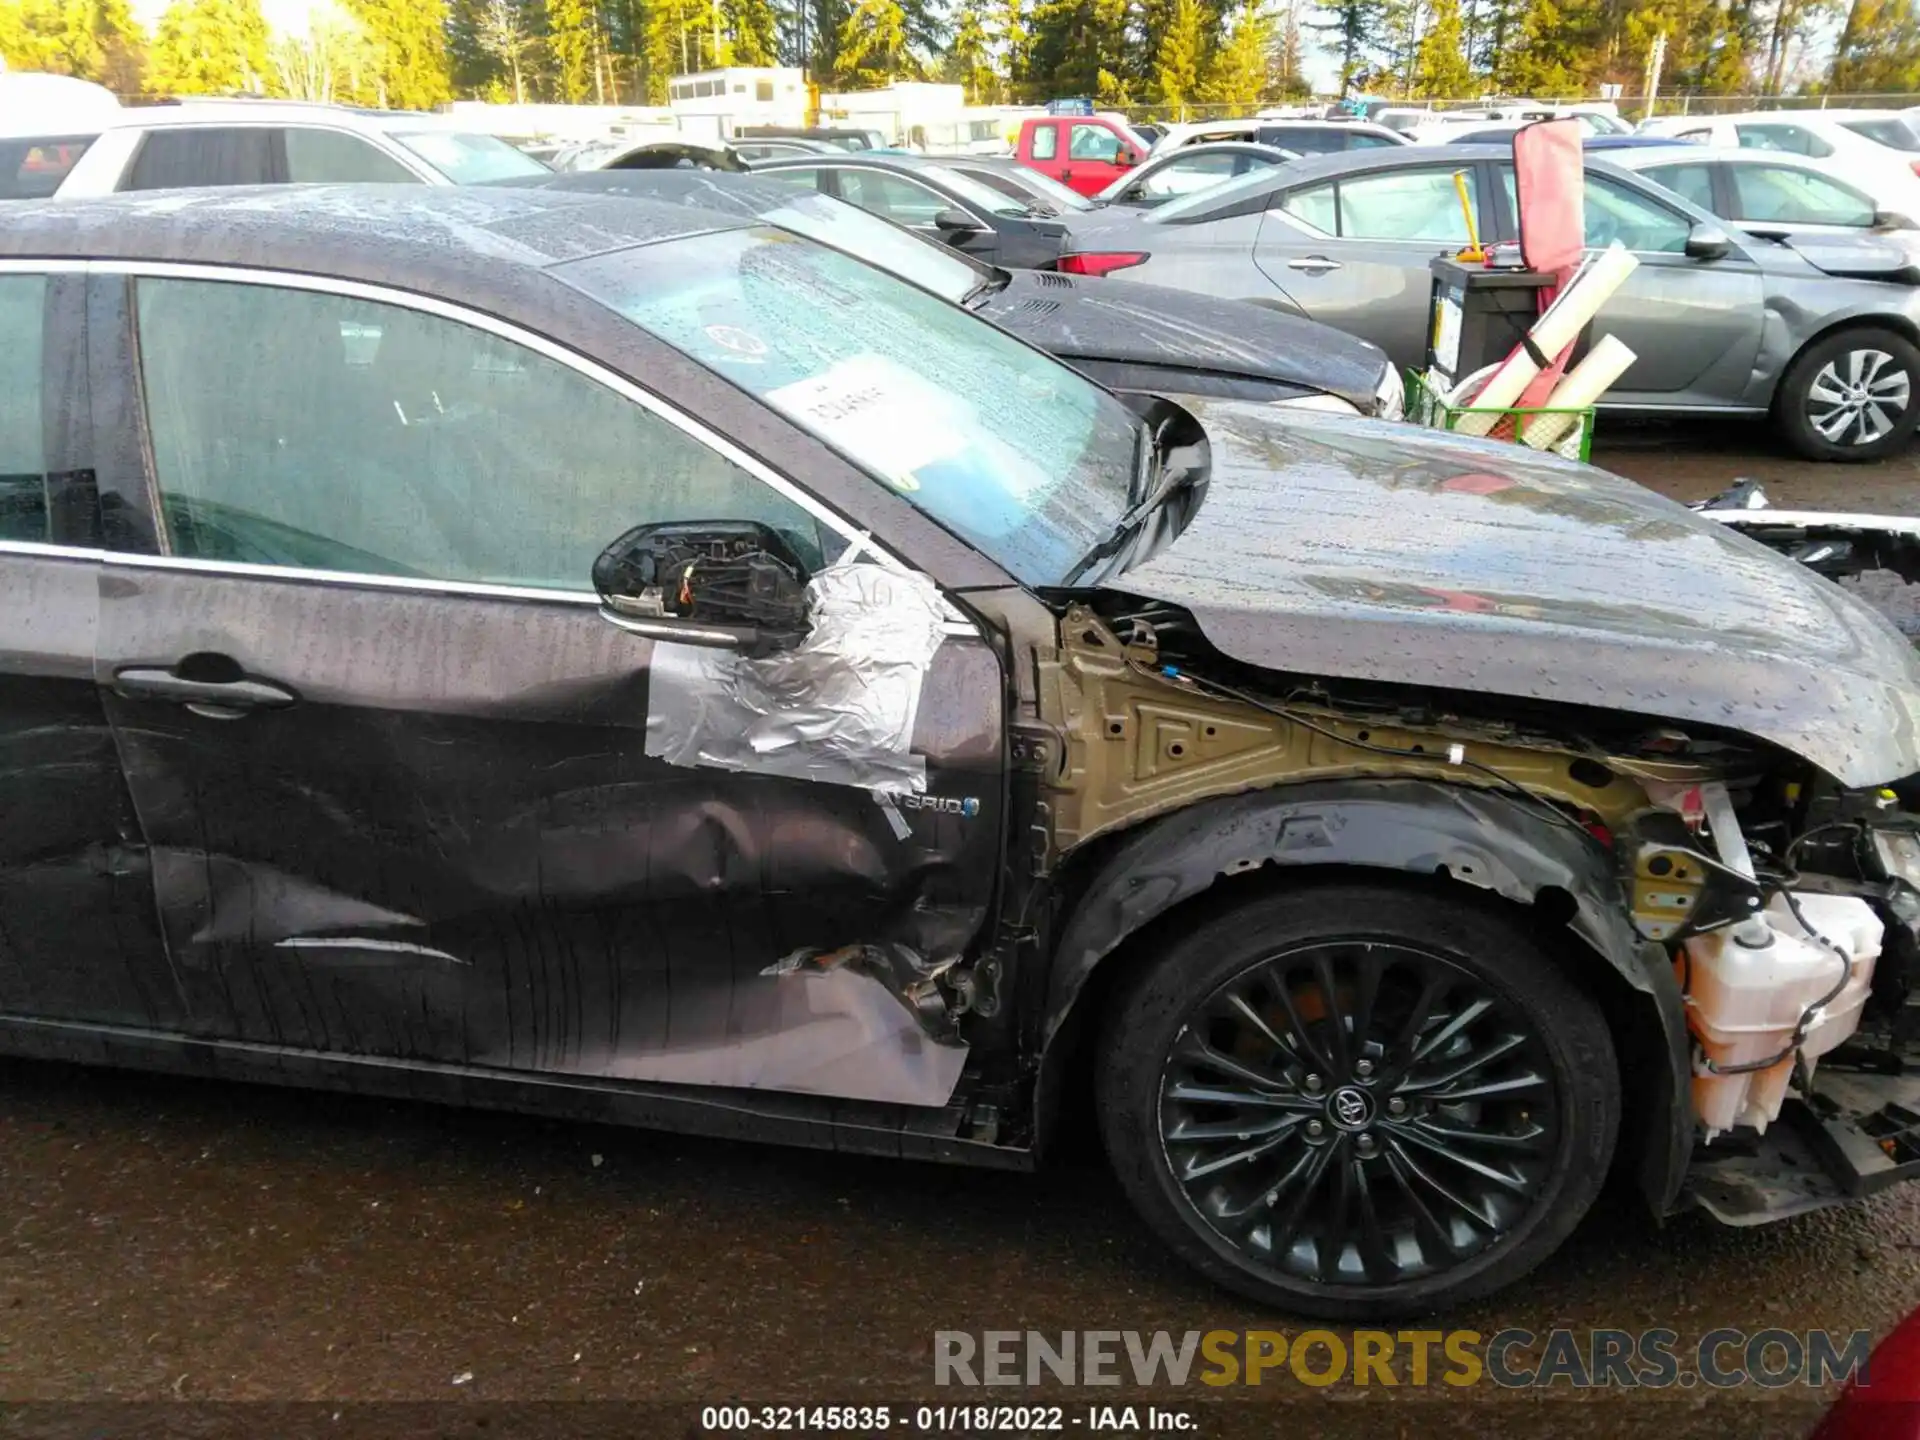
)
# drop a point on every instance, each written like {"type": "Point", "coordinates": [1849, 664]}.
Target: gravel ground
{"type": "Point", "coordinates": [166, 1244]}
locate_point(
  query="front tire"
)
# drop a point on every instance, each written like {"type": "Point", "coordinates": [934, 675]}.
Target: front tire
{"type": "Point", "coordinates": [1851, 397]}
{"type": "Point", "coordinates": [1358, 1101]}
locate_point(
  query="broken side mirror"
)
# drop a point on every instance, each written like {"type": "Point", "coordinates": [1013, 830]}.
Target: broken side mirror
{"type": "Point", "coordinates": [1708, 242]}
{"type": "Point", "coordinates": [731, 584]}
{"type": "Point", "coordinates": [1891, 220]}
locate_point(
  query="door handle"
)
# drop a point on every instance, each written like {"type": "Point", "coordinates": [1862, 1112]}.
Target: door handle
{"type": "Point", "coordinates": [215, 699]}
{"type": "Point", "coordinates": [1314, 264]}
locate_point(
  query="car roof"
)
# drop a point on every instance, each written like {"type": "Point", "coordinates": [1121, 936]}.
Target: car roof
{"type": "Point", "coordinates": [272, 112]}
{"type": "Point", "coordinates": [885, 159]}
{"type": "Point", "coordinates": [1221, 147]}
{"type": "Point", "coordinates": [456, 241]}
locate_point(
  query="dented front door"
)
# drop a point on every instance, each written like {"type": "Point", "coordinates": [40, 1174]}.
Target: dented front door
{"type": "Point", "coordinates": [396, 772]}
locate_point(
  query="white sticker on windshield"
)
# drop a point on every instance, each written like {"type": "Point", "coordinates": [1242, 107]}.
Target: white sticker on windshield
{"type": "Point", "coordinates": [881, 413]}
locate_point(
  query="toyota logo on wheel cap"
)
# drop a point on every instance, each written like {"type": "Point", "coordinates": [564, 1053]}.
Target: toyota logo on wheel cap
{"type": "Point", "coordinates": [1351, 1107]}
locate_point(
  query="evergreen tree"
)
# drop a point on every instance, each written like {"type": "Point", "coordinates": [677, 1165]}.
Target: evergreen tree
{"type": "Point", "coordinates": [1236, 73]}
{"type": "Point", "coordinates": [1176, 59]}
{"type": "Point", "coordinates": [406, 46]}
{"type": "Point", "coordinates": [1286, 72]}
{"type": "Point", "coordinates": [873, 45]}
{"type": "Point", "coordinates": [1441, 71]}
{"type": "Point", "coordinates": [571, 26]}
{"type": "Point", "coordinates": [504, 31]}
{"type": "Point", "coordinates": [1879, 48]}
{"type": "Point", "coordinates": [969, 62]}
{"type": "Point", "coordinates": [753, 27]}
{"type": "Point", "coordinates": [1014, 41]}
{"type": "Point", "coordinates": [210, 47]}
{"type": "Point", "coordinates": [1354, 31]}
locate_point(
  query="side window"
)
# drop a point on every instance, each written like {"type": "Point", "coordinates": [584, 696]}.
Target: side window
{"type": "Point", "coordinates": [1046, 141]}
{"type": "Point", "coordinates": [203, 156]}
{"type": "Point", "coordinates": [1365, 140]}
{"type": "Point", "coordinates": [1616, 213]}
{"type": "Point", "coordinates": [33, 169]}
{"type": "Point", "coordinates": [1791, 196]}
{"type": "Point", "coordinates": [892, 197]}
{"type": "Point", "coordinates": [1094, 142]}
{"type": "Point", "coordinates": [1316, 207]}
{"type": "Point", "coordinates": [1794, 139]}
{"type": "Point", "coordinates": [329, 432]}
{"type": "Point", "coordinates": [1405, 205]}
{"type": "Point", "coordinates": [1183, 177]}
{"type": "Point", "coordinates": [810, 178]}
{"type": "Point", "coordinates": [329, 156]}
{"type": "Point", "coordinates": [23, 481]}
{"type": "Point", "coordinates": [1692, 182]}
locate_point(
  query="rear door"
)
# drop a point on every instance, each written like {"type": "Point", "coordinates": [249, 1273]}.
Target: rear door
{"type": "Point", "coordinates": [78, 935]}
{"type": "Point", "coordinates": [1041, 148]}
{"type": "Point", "coordinates": [1353, 252]}
{"type": "Point", "coordinates": [909, 203]}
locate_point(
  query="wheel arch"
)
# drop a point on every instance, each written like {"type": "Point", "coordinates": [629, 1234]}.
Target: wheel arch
{"type": "Point", "coordinates": [1488, 846]}
{"type": "Point", "coordinates": [1861, 318]}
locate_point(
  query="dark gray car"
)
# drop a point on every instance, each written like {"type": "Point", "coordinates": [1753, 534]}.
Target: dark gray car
{"type": "Point", "coordinates": [1813, 331]}
{"type": "Point", "coordinates": [939, 202]}
{"type": "Point", "coordinates": [626, 661]}
{"type": "Point", "coordinates": [1131, 337]}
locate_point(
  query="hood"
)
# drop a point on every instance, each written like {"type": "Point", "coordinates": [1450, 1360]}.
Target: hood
{"type": "Point", "coordinates": [1869, 255]}
{"type": "Point", "coordinates": [1120, 321]}
{"type": "Point", "coordinates": [1353, 549]}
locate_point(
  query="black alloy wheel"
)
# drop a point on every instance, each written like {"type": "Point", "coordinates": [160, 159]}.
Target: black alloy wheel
{"type": "Point", "coordinates": [1375, 1101]}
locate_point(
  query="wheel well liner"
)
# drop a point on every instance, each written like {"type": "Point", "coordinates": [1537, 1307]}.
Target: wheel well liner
{"type": "Point", "coordinates": [1419, 828]}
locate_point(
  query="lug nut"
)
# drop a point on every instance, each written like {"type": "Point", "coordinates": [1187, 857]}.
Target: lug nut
{"type": "Point", "coordinates": [1396, 1106]}
{"type": "Point", "coordinates": [1363, 1068]}
{"type": "Point", "coordinates": [1313, 1083]}
{"type": "Point", "coordinates": [1364, 1143]}
{"type": "Point", "coordinates": [1315, 1128]}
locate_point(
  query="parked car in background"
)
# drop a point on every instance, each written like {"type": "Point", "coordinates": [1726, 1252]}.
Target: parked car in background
{"type": "Point", "coordinates": [1086, 153]}
{"type": "Point", "coordinates": [1128, 336]}
{"type": "Point", "coordinates": [263, 142]}
{"type": "Point", "coordinates": [751, 150]}
{"type": "Point", "coordinates": [841, 137]}
{"type": "Point", "coordinates": [1764, 192]}
{"type": "Point", "coordinates": [1816, 336]}
{"type": "Point", "coordinates": [1302, 137]}
{"type": "Point", "coordinates": [623, 661]}
{"type": "Point", "coordinates": [1877, 151]}
{"type": "Point", "coordinates": [674, 155]}
{"type": "Point", "coordinates": [1503, 135]}
{"type": "Point", "coordinates": [929, 196]}
{"type": "Point", "coordinates": [1039, 192]}
{"type": "Point", "coordinates": [1168, 176]}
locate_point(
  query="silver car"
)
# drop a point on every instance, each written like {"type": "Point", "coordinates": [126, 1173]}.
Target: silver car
{"type": "Point", "coordinates": [1816, 331]}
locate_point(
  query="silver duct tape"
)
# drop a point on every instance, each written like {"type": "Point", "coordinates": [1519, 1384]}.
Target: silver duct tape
{"type": "Point", "coordinates": [838, 708]}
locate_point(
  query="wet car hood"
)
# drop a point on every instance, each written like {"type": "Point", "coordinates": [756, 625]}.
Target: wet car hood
{"type": "Point", "coordinates": [1126, 322]}
{"type": "Point", "coordinates": [1353, 549]}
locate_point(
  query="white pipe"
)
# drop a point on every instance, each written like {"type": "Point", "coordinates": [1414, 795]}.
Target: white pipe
{"type": "Point", "coordinates": [1552, 333]}
{"type": "Point", "coordinates": [1582, 385]}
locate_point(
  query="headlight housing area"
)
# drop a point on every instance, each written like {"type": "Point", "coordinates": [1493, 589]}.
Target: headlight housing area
{"type": "Point", "coordinates": [1390, 399]}
{"type": "Point", "coordinates": [1333, 404]}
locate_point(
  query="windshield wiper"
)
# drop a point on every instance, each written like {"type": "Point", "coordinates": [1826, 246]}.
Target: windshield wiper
{"type": "Point", "coordinates": [992, 285]}
{"type": "Point", "coordinates": [1152, 484]}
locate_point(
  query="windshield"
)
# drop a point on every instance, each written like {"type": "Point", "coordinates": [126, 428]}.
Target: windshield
{"type": "Point", "coordinates": [1211, 198]}
{"type": "Point", "coordinates": [469, 159]}
{"type": "Point", "coordinates": [1019, 456]}
{"type": "Point", "coordinates": [1890, 130]}
{"type": "Point", "coordinates": [1050, 192]}
{"type": "Point", "coordinates": [981, 197]}
{"type": "Point", "coordinates": [853, 231]}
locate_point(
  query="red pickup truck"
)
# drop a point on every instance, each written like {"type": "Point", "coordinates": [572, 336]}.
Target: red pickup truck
{"type": "Point", "coordinates": [1085, 152]}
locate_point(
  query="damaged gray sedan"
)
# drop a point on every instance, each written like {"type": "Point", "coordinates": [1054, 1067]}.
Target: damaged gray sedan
{"type": "Point", "coordinates": [561, 652]}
